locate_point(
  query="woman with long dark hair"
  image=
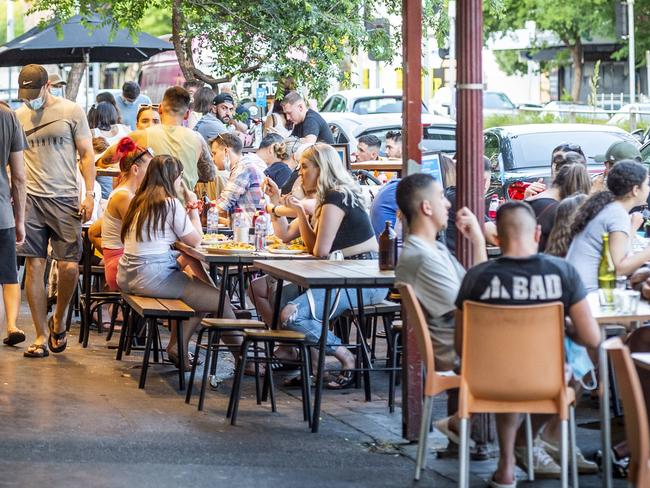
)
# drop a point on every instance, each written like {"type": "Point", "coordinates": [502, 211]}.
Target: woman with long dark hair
{"type": "Point", "coordinates": [570, 175]}
{"type": "Point", "coordinates": [560, 235]}
{"type": "Point", "coordinates": [155, 220]}
{"type": "Point", "coordinates": [608, 212]}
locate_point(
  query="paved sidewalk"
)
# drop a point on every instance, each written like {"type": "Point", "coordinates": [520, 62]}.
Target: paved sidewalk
{"type": "Point", "coordinates": [77, 419]}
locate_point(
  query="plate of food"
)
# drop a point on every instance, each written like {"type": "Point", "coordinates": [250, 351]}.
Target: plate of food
{"type": "Point", "coordinates": [230, 247]}
{"type": "Point", "coordinates": [213, 239]}
{"type": "Point", "coordinates": [297, 246]}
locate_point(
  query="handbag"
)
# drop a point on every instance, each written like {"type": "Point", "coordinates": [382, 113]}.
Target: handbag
{"type": "Point", "coordinates": [334, 256]}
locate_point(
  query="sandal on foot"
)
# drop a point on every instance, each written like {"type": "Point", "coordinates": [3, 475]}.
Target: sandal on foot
{"type": "Point", "coordinates": [56, 336]}
{"type": "Point", "coordinates": [342, 381]}
{"type": "Point", "coordinates": [36, 351]}
{"type": "Point", "coordinates": [494, 484]}
{"type": "Point", "coordinates": [173, 358]}
{"type": "Point", "coordinates": [15, 337]}
{"type": "Point", "coordinates": [295, 382]}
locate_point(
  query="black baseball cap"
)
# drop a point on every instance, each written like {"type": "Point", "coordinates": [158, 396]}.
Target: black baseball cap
{"type": "Point", "coordinates": [223, 98]}
{"type": "Point", "coordinates": [31, 80]}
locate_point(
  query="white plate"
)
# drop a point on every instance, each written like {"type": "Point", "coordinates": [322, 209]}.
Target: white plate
{"type": "Point", "coordinates": [285, 251]}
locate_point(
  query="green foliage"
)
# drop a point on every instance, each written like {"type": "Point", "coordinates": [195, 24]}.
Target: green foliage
{"type": "Point", "coordinates": [19, 26]}
{"type": "Point", "coordinates": [593, 84]}
{"type": "Point", "coordinates": [566, 96]}
{"type": "Point", "coordinates": [304, 39]}
{"type": "Point", "coordinates": [509, 62]}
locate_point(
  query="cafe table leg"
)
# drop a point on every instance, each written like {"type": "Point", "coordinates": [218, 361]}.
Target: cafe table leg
{"type": "Point", "coordinates": [213, 273]}
{"type": "Point", "coordinates": [223, 287]}
{"type": "Point", "coordinates": [86, 285]}
{"type": "Point", "coordinates": [605, 428]}
{"type": "Point", "coordinates": [363, 349]}
{"type": "Point", "coordinates": [321, 361]}
{"type": "Point", "coordinates": [242, 288]}
{"type": "Point", "coordinates": [276, 305]}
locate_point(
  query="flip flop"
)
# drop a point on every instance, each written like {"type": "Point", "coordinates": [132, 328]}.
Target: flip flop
{"type": "Point", "coordinates": [494, 484]}
{"type": "Point", "coordinates": [15, 337]}
{"type": "Point", "coordinates": [36, 351]}
{"type": "Point", "coordinates": [342, 381]}
{"type": "Point", "coordinates": [57, 336]}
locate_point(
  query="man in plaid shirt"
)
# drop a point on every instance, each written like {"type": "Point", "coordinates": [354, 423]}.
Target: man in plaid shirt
{"type": "Point", "coordinates": [244, 187]}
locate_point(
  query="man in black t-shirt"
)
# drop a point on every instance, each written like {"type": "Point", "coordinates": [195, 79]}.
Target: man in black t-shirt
{"type": "Point", "coordinates": [523, 277]}
{"type": "Point", "coordinates": [309, 126]}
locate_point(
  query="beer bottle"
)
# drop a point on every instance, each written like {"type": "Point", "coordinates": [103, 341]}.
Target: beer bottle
{"type": "Point", "coordinates": [606, 276]}
{"type": "Point", "coordinates": [387, 248]}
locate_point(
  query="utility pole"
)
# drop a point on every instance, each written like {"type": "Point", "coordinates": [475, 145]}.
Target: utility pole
{"type": "Point", "coordinates": [631, 53]}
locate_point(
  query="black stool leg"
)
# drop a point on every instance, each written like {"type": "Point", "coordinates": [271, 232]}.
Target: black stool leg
{"type": "Point", "coordinates": [236, 392]}
{"type": "Point", "coordinates": [268, 375]}
{"type": "Point", "coordinates": [150, 325]}
{"type": "Point", "coordinates": [190, 386]}
{"type": "Point", "coordinates": [206, 368]}
{"type": "Point", "coordinates": [305, 371]}
{"type": "Point", "coordinates": [123, 333]}
{"type": "Point", "coordinates": [181, 355]}
{"type": "Point", "coordinates": [258, 389]}
{"type": "Point", "coordinates": [393, 372]}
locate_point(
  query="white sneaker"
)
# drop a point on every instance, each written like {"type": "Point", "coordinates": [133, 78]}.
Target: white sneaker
{"type": "Point", "coordinates": [543, 464]}
{"type": "Point", "coordinates": [584, 466]}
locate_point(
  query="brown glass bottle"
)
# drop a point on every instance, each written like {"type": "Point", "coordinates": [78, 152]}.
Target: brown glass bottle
{"type": "Point", "coordinates": [204, 211]}
{"type": "Point", "coordinates": [387, 248]}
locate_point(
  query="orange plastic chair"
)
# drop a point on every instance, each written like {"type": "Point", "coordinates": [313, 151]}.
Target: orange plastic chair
{"type": "Point", "coordinates": [513, 362]}
{"type": "Point", "coordinates": [435, 383]}
{"type": "Point", "coordinates": [636, 418]}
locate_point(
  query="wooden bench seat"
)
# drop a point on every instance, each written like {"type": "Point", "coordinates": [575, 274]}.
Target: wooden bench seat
{"type": "Point", "coordinates": [150, 310]}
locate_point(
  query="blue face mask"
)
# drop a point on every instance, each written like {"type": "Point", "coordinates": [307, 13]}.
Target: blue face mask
{"type": "Point", "coordinates": [580, 362]}
{"type": "Point", "coordinates": [57, 92]}
{"type": "Point", "coordinates": [36, 104]}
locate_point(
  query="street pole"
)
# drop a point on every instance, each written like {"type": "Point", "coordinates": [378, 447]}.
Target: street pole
{"type": "Point", "coordinates": [411, 163]}
{"type": "Point", "coordinates": [631, 54]}
{"type": "Point", "coordinates": [452, 57]}
{"type": "Point", "coordinates": [647, 71]}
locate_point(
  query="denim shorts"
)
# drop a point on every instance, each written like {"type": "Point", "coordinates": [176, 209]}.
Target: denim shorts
{"type": "Point", "coordinates": [157, 276]}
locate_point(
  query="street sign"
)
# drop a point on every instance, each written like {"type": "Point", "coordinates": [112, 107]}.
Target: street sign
{"type": "Point", "coordinates": [260, 97]}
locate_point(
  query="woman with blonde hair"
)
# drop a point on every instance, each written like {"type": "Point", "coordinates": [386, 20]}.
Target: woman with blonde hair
{"type": "Point", "coordinates": [340, 223]}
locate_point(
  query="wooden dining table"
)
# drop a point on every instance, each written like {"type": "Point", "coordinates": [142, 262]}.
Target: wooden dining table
{"type": "Point", "coordinates": [225, 260]}
{"type": "Point", "coordinates": [113, 172]}
{"type": "Point", "coordinates": [607, 317]}
{"type": "Point", "coordinates": [328, 276]}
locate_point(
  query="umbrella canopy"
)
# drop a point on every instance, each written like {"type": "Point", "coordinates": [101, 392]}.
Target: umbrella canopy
{"type": "Point", "coordinates": [43, 46]}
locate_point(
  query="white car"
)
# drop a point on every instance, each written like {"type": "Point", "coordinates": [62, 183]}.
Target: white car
{"type": "Point", "coordinates": [438, 132]}
{"type": "Point", "coordinates": [622, 115]}
{"type": "Point", "coordinates": [494, 102]}
{"type": "Point", "coordinates": [364, 102]}
{"type": "Point", "coordinates": [563, 110]}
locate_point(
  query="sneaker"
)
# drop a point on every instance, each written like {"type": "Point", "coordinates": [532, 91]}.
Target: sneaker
{"type": "Point", "coordinates": [543, 464]}
{"type": "Point", "coordinates": [584, 466]}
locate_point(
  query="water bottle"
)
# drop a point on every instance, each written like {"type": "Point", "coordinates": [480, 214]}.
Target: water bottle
{"type": "Point", "coordinates": [240, 226]}
{"type": "Point", "coordinates": [212, 220]}
{"type": "Point", "coordinates": [260, 231]}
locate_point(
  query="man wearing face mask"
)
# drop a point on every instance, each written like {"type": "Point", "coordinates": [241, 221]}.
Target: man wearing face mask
{"type": "Point", "coordinates": [129, 102]}
{"type": "Point", "coordinates": [57, 130]}
{"type": "Point", "coordinates": [57, 85]}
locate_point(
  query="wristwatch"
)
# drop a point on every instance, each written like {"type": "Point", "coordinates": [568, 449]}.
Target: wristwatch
{"type": "Point", "coordinates": [91, 193]}
{"type": "Point", "coordinates": [275, 214]}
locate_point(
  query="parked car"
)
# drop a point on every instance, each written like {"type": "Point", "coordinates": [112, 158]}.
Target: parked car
{"type": "Point", "coordinates": [494, 103]}
{"type": "Point", "coordinates": [365, 102]}
{"type": "Point", "coordinates": [522, 153]}
{"type": "Point", "coordinates": [438, 133]}
{"type": "Point", "coordinates": [563, 110]}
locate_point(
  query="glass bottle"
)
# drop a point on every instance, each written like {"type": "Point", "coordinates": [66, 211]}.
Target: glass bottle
{"type": "Point", "coordinates": [606, 276]}
{"type": "Point", "coordinates": [387, 248]}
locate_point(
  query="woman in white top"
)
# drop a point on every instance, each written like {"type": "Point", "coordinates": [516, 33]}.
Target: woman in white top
{"type": "Point", "coordinates": [105, 232]}
{"type": "Point", "coordinates": [156, 219]}
{"type": "Point", "coordinates": [103, 121]}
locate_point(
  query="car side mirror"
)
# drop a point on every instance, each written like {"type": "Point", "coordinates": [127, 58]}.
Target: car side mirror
{"type": "Point", "coordinates": [639, 134]}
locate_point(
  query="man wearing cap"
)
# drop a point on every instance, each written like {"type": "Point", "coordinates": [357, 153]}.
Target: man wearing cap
{"type": "Point", "coordinates": [57, 85]}
{"type": "Point", "coordinates": [618, 151]}
{"type": "Point", "coordinates": [219, 119]}
{"type": "Point", "coordinates": [57, 130]}
{"type": "Point", "coordinates": [129, 102]}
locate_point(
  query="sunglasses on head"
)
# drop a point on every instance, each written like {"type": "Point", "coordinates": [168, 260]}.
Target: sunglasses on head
{"type": "Point", "coordinates": [142, 107]}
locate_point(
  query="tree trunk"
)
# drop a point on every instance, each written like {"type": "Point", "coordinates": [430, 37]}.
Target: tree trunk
{"type": "Point", "coordinates": [74, 80]}
{"type": "Point", "coordinates": [576, 58]}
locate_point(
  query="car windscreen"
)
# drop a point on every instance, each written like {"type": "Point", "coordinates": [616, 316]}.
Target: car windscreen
{"type": "Point", "coordinates": [380, 105]}
{"type": "Point", "coordinates": [534, 150]}
{"type": "Point", "coordinates": [492, 100]}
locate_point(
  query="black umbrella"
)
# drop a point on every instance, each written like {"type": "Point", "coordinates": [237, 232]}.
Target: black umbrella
{"type": "Point", "coordinates": [80, 43]}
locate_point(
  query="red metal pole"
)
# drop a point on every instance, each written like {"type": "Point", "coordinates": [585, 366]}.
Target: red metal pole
{"type": "Point", "coordinates": [469, 104]}
{"type": "Point", "coordinates": [411, 156]}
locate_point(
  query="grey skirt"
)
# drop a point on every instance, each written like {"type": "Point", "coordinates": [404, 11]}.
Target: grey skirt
{"type": "Point", "coordinates": [157, 276]}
